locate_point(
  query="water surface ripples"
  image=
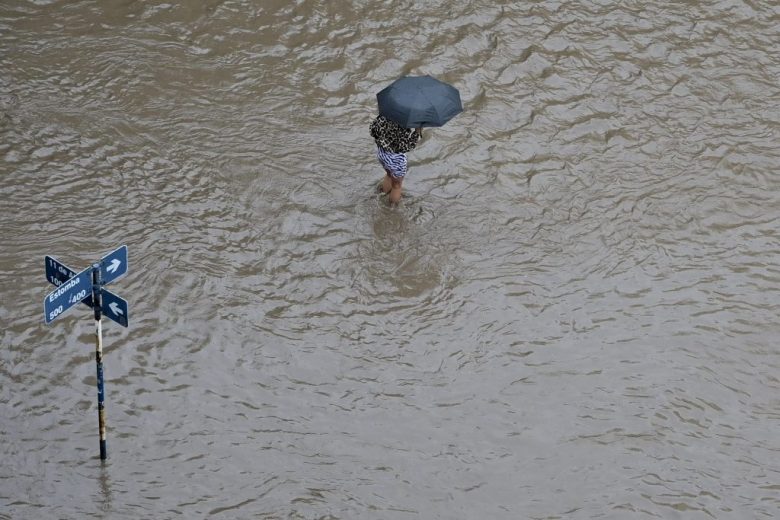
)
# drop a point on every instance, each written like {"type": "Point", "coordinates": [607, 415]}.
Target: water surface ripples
{"type": "Point", "coordinates": [571, 315]}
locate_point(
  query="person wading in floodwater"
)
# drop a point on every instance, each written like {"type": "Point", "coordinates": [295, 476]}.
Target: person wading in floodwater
{"type": "Point", "coordinates": [393, 141]}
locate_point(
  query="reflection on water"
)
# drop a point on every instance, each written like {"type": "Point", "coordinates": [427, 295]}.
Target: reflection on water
{"type": "Point", "coordinates": [571, 315]}
{"type": "Point", "coordinates": [104, 479]}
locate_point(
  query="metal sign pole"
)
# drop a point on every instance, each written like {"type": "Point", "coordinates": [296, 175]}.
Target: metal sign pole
{"type": "Point", "coordinates": [96, 283]}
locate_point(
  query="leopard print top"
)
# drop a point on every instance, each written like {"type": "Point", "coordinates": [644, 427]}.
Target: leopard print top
{"type": "Point", "coordinates": [392, 137]}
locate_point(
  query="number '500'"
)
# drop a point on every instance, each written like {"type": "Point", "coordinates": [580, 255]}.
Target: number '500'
{"type": "Point", "coordinates": [56, 312]}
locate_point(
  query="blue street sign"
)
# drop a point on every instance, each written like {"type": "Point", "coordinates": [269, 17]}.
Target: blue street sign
{"type": "Point", "coordinates": [113, 265]}
{"type": "Point", "coordinates": [113, 307]}
{"type": "Point", "coordinates": [59, 273]}
{"type": "Point", "coordinates": [67, 295]}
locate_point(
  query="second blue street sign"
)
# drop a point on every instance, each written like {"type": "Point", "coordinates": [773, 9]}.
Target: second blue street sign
{"type": "Point", "coordinates": [113, 307]}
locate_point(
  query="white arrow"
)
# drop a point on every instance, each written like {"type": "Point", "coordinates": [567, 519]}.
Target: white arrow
{"type": "Point", "coordinates": [115, 263]}
{"type": "Point", "coordinates": [115, 309]}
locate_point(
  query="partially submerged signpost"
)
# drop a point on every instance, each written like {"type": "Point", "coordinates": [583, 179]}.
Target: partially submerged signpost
{"type": "Point", "coordinates": [88, 288]}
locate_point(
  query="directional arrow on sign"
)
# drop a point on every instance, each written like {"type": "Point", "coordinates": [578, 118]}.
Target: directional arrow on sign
{"type": "Point", "coordinates": [113, 307]}
{"type": "Point", "coordinates": [113, 265]}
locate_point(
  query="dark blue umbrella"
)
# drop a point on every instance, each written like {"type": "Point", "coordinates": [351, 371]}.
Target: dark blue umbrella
{"type": "Point", "coordinates": [415, 101]}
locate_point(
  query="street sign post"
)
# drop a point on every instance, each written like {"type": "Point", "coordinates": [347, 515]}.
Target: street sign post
{"type": "Point", "coordinates": [87, 287]}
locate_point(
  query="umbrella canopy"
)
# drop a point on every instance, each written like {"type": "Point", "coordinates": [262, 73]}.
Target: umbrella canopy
{"type": "Point", "coordinates": [414, 101]}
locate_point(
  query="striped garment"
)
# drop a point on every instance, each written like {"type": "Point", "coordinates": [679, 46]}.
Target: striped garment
{"type": "Point", "coordinates": [395, 163]}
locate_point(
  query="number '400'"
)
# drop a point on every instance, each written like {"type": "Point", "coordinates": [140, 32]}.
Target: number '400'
{"type": "Point", "coordinates": [78, 296]}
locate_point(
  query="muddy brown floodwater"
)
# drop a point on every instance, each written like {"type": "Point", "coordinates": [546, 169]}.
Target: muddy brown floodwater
{"type": "Point", "coordinates": [573, 314]}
